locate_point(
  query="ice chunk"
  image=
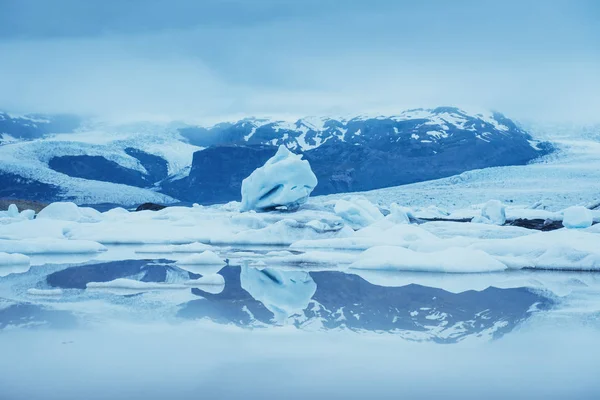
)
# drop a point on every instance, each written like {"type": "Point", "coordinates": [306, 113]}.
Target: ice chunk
{"type": "Point", "coordinates": [195, 247]}
{"type": "Point", "coordinates": [45, 292]}
{"type": "Point", "coordinates": [283, 292]}
{"type": "Point", "coordinates": [13, 211]}
{"type": "Point", "coordinates": [399, 214]}
{"type": "Point", "coordinates": [284, 181]}
{"type": "Point", "coordinates": [564, 249]}
{"type": "Point", "coordinates": [454, 260]}
{"type": "Point", "coordinates": [397, 235]}
{"type": "Point", "coordinates": [13, 264]}
{"type": "Point", "coordinates": [284, 232]}
{"type": "Point", "coordinates": [357, 211]}
{"type": "Point", "coordinates": [313, 257]}
{"type": "Point", "coordinates": [66, 211]}
{"type": "Point", "coordinates": [125, 283]}
{"type": "Point", "coordinates": [27, 214]}
{"type": "Point", "coordinates": [50, 246]}
{"type": "Point", "coordinates": [13, 259]}
{"type": "Point", "coordinates": [207, 257]}
{"type": "Point", "coordinates": [577, 217]}
{"type": "Point", "coordinates": [493, 212]}
{"type": "Point", "coordinates": [207, 280]}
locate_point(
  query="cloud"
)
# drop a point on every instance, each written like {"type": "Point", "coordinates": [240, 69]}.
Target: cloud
{"type": "Point", "coordinates": [531, 61]}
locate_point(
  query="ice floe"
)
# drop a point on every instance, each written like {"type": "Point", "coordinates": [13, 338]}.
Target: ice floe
{"type": "Point", "coordinates": [452, 260]}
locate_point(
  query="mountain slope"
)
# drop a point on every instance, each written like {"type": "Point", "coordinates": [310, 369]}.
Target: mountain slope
{"type": "Point", "coordinates": [101, 163]}
{"type": "Point", "coordinates": [357, 154]}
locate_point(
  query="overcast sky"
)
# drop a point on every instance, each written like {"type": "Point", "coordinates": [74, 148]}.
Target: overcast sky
{"type": "Point", "coordinates": [208, 59]}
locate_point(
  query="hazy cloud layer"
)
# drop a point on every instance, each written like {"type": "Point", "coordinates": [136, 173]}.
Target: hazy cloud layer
{"type": "Point", "coordinates": [206, 60]}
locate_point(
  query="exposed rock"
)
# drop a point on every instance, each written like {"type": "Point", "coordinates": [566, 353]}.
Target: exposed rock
{"type": "Point", "coordinates": [22, 205]}
{"type": "Point", "coordinates": [150, 207]}
{"type": "Point", "coordinates": [537, 224]}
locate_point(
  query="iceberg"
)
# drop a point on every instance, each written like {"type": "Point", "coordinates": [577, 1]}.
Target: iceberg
{"type": "Point", "coordinates": [205, 258]}
{"type": "Point", "coordinates": [13, 264]}
{"type": "Point", "coordinates": [577, 217]}
{"type": "Point", "coordinates": [493, 212]}
{"type": "Point", "coordinates": [13, 259]}
{"type": "Point", "coordinates": [357, 211]}
{"type": "Point", "coordinates": [50, 246]}
{"type": "Point", "coordinates": [284, 181]}
{"type": "Point", "coordinates": [66, 211]}
{"type": "Point", "coordinates": [452, 260]}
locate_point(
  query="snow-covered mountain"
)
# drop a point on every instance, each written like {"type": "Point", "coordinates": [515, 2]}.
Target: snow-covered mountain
{"type": "Point", "coordinates": [357, 154]}
{"type": "Point", "coordinates": [53, 158]}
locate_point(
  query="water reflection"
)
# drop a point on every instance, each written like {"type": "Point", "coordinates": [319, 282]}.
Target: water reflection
{"type": "Point", "coordinates": [262, 297]}
{"type": "Point", "coordinates": [335, 299]}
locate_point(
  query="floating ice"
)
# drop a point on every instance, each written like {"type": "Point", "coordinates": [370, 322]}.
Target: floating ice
{"type": "Point", "coordinates": [45, 292]}
{"type": "Point", "coordinates": [13, 264]}
{"type": "Point", "coordinates": [13, 211]}
{"type": "Point", "coordinates": [312, 257]}
{"type": "Point", "coordinates": [50, 246]}
{"type": "Point", "coordinates": [577, 217]}
{"type": "Point", "coordinates": [7, 259]}
{"type": "Point", "coordinates": [454, 260]}
{"type": "Point", "coordinates": [195, 247]}
{"type": "Point", "coordinates": [206, 257]}
{"type": "Point", "coordinates": [493, 212]}
{"type": "Point", "coordinates": [66, 211]}
{"type": "Point", "coordinates": [284, 181]}
{"type": "Point", "coordinates": [207, 280]}
{"type": "Point", "coordinates": [357, 211]}
{"type": "Point", "coordinates": [125, 283]}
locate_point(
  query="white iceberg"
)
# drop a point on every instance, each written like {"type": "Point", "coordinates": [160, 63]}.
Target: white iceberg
{"type": "Point", "coordinates": [577, 217]}
{"type": "Point", "coordinates": [204, 258]}
{"type": "Point", "coordinates": [452, 260]}
{"type": "Point", "coordinates": [50, 246]}
{"type": "Point", "coordinates": [195, 247]}
{"type": "Point", "coordinates": [13, 264]}
{"type": "Point", "coordinates": [67, 211]}
{"type": "Point", "coordinates": [13, 259]}
{"type": "Point", "coordinates": [493, 212]}
{"type": "Point", "coordinates": [44, 292]}
{"type": "Point", "coordinates": [284, 181]}
{"type": "Point", "coordinates": [206, 280]}
{"type": "Point", "coordinates": [357, 211]}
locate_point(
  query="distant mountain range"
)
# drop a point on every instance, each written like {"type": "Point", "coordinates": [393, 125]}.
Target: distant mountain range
{"type": "Point", "coordinates": [51, 158]}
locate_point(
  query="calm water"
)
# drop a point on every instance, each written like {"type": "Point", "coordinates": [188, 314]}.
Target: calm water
{"type": "Point", "coordinates": [295, 332]}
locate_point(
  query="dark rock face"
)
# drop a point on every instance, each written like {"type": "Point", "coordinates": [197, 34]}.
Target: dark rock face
{"type": "Point", "coordinates": [157, 167]}
{"type": "Point", "coordinates": [97, 168]}
{"type": "Point", "coordinates": [16, 187]}
{"type": "Point", "coordinates": [22, 205]}
{"type": "Point", "coordinates": [537, 224]}
{"type": "Point", "coordinates": [150, 207]}
{"type": "Point", "coordinates": [217, 173]}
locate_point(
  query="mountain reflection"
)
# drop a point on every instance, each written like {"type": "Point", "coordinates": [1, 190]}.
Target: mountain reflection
{"type": "Point", "coordinates": [266, 297]}
{"type": "Point", "coordinates": [333, 299]}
